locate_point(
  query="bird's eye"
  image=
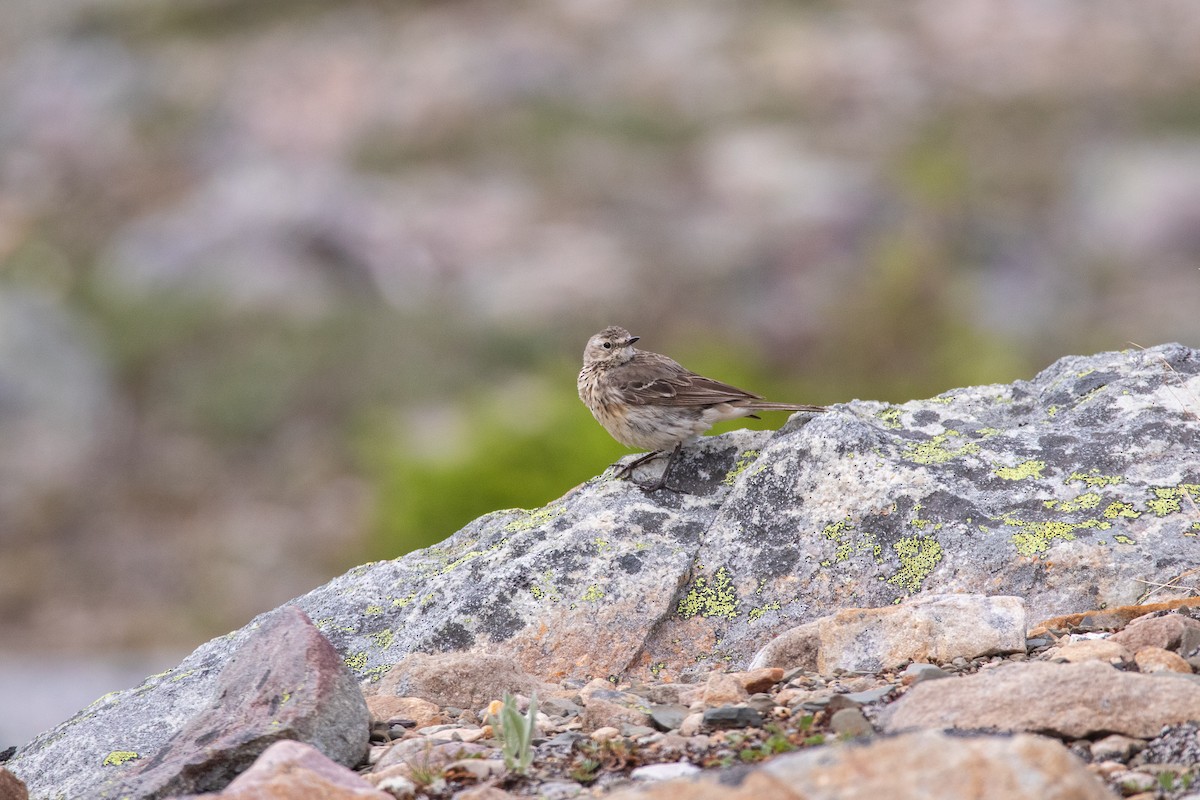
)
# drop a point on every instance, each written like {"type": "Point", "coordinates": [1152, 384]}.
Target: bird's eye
{"type": "Point", "coordinates": [607, 345]}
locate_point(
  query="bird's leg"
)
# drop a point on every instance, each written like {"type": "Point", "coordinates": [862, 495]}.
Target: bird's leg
{"type": "Point", "coordinates": [627, 470]}
{"type": "Point", "coordinates": [661, 483]}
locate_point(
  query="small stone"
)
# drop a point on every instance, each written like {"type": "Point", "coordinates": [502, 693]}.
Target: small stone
{"type": "Point", "coordinates": [411, 712]}
{"type": "Point", "coordinates": [850, 722]}
{"type": "Point", "coordinates": [762, 702]}
{"type": "Point", "coordinates": [398, 786]}
{"type": "Point", "coordinates": [483, 793]}
{"type": "Point", "coordinates": [1115, 748]}
{"type": "Point", "coordinates": [723, 689]}
{"type": "Point", "coordinates": [559, 790]}
{"type": "Point", "coordinates": [917, 672]}
{"type": "Point", "coordinates": [1082, 650]}
{"type": "Point", "coordinates": [477, 769]}
{"type": "Point", "coordinates": [605, 733]}
{"type": "Point", "coordinates": [668, 717]}
{"type": "Point", "coordinates": [1149, 631]}
{"type": "Point", "coordinates": [1156, 659]}
{"type": "Point", "coordinates": [636, 731]}
{"type": "Point", "coordinates": [869, 696]}
{"type": "Point", "coordinates": [1133, 782]}
{"type": "Point", "coordinates": [565, 739]}
{"type": "Point", "coordinates": [664, 772]}
{"type": "Point", "coordinates": [727, 717]}
{"type": "Point", "coordinates": [759, 680]}
{"type": "Point", "coordinates": [691, 724]}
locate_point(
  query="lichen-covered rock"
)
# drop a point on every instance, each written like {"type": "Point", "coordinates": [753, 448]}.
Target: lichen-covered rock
{"type": "Point", "coordinates": [1074, 490]}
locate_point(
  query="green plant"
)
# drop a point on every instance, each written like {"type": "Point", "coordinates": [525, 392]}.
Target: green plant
{"type": "Point", "coordinates": [516, 733]}
{"type": "Point", "coordinates": [586, 770]}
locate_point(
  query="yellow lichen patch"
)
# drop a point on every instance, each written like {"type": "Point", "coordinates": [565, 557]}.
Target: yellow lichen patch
{"type": "Point", "coordinates": [601, 544]}
{"type": "Point", "coordinates": [1119, 509]}
{"type": "Point", "coordinates": [356, 661]}
{"type": "Point", "coordinates": [383, 639]}
{"type": "Point", "coordinates": [937, 451]}
{"type": "Point", "coordinates": [1093, 479]}
{"type": "Point", "coordinates": [1121, 539]}
{"type": "Point", "coordinates": [849, 545]}
{"type": "Point", "coordinates": [918, 557]}
{"type": "Point", "coordinates": [744, 460]}
{"type": "Point", "coordinates": [890, 417]}
{"type": "Point", "coordinates": [401, 602]}
{"type": "Point", "coordinates": [537, 592]}
{"type": "Point", "coordinates": [1026, 469]}
{"type": "Point", "coordinates": [1083, 502]}
{"type": "Point", "coordinates": [593, 594]}
{"type": "Point", "coordinates": [374, 674]}
{"type": "Point", "coordinates": [373, 610]}
{"type": "Point", "coordinates": [1167, 498]}
{"type": "Point", "coordinates": [1035, 537]}
{"type": "Point", "coordinates": [757, 612]}
{"type": "Point", "coordinates": [118, 757]}
{"type": "Point", "coordinates": [986, 432]}
{"type": "Point", "coordinates": [715, 598]}
{"type": "Point", "coordinates": [533, 518]}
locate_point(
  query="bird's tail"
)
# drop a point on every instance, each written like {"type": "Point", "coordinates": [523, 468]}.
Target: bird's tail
{"type": "Point", "coordinates": [766, 405]}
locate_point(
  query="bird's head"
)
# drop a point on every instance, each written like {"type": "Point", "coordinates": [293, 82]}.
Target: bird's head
{"type": "Point", "coordinates": [612, 346]}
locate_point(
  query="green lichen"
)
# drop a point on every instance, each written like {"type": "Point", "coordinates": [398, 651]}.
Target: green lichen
{"type": "Point", "coordinates": [1051, 411]}
{"type": "Point", "coordinates": [373, 610]}
{"type": "Point", "coordinates": [383, 639]}
{"type": "Point", "coordinates": [1026, 469]}
{"type": "Point", "coordinates": [1084, 502]}
{"type": "Point", "coordinates": [936, 450]}
{"type": "Point", "coordinates": [118, 757]}
{"type": "Point", "coordinates": [1093, 479]}
{"type": "Point", "coordinates": [715, 598]}
{"type": "Point", "coordinates": [1166, 498]}
{"type": "Point", "coordinates": [534, 518]}
{"type": "Point", "coordinates": [758, 611]}
{"type": "Point", "coordinates": [1035, 537]}
{"type": "Point", "coordinates": [401, 602]}
{"type": "Point", "coordinates": [1122, 539]}
{"type": "Point", "coordinates": [744, 460]}
{"type": "Point", "coordinates": [601, 544]}
{"type": "Point", "coordinates": [375, 673]}
{"type": "Point", "coordinates": [356, 661]}
{"type": "Point", "coordinates": [1119, 509]}
{"type": "Point", "coordinates": [890, 417]}
{"type": "Point", "coordinates": [918, 556]}
{"type": "Point", "coordinates": [593, 594]}
{"type": "Point", "coordinates": [537, 592]}
{"type": "Point", "coordinates": [942, 399]}
{"type": "Point", "coordinates": [849, 545]}
{"type": "Point", "coordinates": [988, 432]}
{"type": "Point", "coordinates": [1085, 373]}
{"type": "Point", "coordinates": [657, 668]}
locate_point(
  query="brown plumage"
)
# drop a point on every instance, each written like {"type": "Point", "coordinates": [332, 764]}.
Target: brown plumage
{"type": "Point", "coordinates": [649, 401]}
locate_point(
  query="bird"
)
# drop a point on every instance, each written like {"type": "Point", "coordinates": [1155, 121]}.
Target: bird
{"type": "Point", "coordinates": [651, 402]}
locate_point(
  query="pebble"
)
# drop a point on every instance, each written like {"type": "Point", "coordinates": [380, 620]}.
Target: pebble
{"type": "Point", "coordinates": [604, 734]}
{"type": "Point", "coordinates": [1115, 748]}
{"type": "Point", "coordinates": [850, 722]}
{"type": "Point", "coordinates": [917, 672]}
{"type": "Point", "coordinates": [668, 717]}
{"type": "Point", "coordinates": [664, 772]}
{"type": "Point", "coordinates": [733, 717]}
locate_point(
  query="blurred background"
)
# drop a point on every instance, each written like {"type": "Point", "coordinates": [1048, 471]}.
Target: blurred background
{"type": "Point", "coordinates": [288, 285]}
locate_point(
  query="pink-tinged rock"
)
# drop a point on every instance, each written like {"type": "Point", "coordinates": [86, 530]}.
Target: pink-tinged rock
{"type": "Point", "coordinates": [293, 771]}
{"type": "Point", "coordinates": [759, 680]}
{"type": "Point", "coordinates": [12, 787]}
{"type": "Point", "coordinates": [917, 766]}
{"type": "Point", "coordinates": [936, 628]}
{"type": "Point", "coordinates": [285, 682]}
{"type": "Point", "coordinates": [1156, 659]}
{"type": "Point", "coordinates": [1076, 652]}
{"type": "Point", "coordinates": [1149, 631]}
{"type": "Point", "coordinates": [1070, 700]}
{"type": "Point", "coordinates": [465, 680]}
{"type": "Point", "coordinates": [422, 713]}
{"type": "Point", "coordinates": [723, 689]}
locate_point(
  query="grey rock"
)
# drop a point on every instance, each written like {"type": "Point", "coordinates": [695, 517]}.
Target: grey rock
{"type": "Point", "coordinates": [916, 672]}
{"type": "Point", "coordinates": [850, 722]}
{"type": "Point", "coordinates": [868, 696]}
{"type": "Point", "coordinates": [733, 717]}
{"type": "Point", "coordinates": [668, 717]}
{"type": "Point", "coordinates": [1092, 464]}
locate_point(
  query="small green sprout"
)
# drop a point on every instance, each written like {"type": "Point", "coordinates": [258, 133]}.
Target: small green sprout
{"type": "Point", "coordinates": [516, 733]}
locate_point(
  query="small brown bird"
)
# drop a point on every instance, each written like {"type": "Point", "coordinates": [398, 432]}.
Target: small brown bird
{"type": "Point", "coordinates": [649, 401]}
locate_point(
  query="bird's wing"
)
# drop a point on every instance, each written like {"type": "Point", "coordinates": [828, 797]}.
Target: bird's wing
{"type": "Point", "coordinates": [654, 380]}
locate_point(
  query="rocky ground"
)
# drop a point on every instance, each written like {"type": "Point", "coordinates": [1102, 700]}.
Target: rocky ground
{"type": "Point", "coordinates": [1113, 697]}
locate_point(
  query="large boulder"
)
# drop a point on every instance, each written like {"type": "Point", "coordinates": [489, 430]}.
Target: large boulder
{"type": "Point", "coordinates": [1071, 491]}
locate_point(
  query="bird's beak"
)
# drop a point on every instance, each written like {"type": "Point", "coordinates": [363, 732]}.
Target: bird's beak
{"type": "Point", "coordinates": [632, 339]}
